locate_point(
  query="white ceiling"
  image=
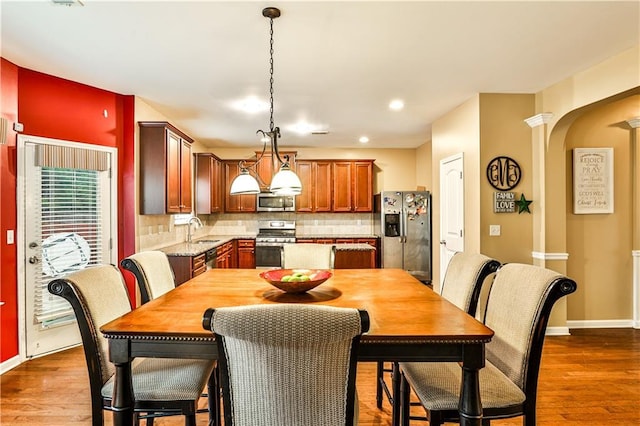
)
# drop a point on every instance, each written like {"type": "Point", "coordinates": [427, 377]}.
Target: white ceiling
{"type": "Point", "coordinates": [337, 64]}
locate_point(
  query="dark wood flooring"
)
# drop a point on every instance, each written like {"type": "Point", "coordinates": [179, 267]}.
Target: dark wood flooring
{"type": "Point", "coordinates": [589, 378]}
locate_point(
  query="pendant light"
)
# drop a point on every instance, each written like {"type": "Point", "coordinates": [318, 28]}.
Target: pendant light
{"type": "Point", "coordinates": [285, 181]}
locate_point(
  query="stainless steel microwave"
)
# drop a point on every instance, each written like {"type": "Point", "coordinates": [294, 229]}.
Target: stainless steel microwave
{"type": "Point", "coordinates": [269, 202]}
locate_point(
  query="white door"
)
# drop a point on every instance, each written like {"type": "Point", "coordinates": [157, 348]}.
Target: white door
{"type": "Point", "coordinates": [451, 210]}
{"type": "Point", "coordinates": [66, 222]}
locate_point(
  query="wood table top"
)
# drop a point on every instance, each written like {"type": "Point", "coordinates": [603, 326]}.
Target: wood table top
{"type": "Point", "coordinates": [400, 307]}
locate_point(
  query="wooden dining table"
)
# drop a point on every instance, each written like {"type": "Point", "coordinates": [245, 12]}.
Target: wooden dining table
{"type": "Point", "coordinates": [409, 322]}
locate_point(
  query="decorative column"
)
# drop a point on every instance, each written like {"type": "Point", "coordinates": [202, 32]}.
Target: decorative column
{"type": "Point", "coordinates": [634, 123]}
{"type": "Point", "coordinates": [556, 261]}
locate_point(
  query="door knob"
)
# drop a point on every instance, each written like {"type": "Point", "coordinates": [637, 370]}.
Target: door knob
{"type": "Point", "coordinates": [33, 260]}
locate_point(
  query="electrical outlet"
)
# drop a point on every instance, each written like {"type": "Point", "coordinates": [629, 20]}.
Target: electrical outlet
{"type": "Point", "coordinates": [494, 230]}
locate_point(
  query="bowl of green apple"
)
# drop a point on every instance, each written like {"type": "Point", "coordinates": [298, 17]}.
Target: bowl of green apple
{"type": "Point", "coordinates": [296, 280]}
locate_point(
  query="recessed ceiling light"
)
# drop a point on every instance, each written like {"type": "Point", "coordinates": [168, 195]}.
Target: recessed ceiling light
{"type": "Point", "coordinates": [396, 104]}
{"type": "Point", "coordinates": [251, 105]}
{"type": "Point", "coordinates": [363, 139]}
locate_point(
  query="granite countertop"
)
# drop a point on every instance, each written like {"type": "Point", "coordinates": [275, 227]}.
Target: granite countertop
{"type": "Point", "coordinates": [354, 247]}
{"type": "Point", "coordinates": [201, 245]}
{"type": "Point", "coordinates": [348, 237]}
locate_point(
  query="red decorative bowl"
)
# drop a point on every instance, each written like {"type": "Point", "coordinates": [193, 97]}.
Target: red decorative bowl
{"type": "Point", "coordinates": [295, 280]}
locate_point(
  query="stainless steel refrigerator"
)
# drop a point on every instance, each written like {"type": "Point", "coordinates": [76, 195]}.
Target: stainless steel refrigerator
{"type": "Point", "coordinates": [402, 220]}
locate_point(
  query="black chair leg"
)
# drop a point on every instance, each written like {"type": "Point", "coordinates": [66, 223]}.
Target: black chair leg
{"type": "Point", "coordinates": [379, 378]}
{"type": "Point", "coordinates": [396, 391]}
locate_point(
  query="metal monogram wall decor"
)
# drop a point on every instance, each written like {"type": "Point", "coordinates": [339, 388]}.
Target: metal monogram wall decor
{"type": "Point", "coordinates": [592, 180]}
{"type": "Point", "coordinates": [503, 173]}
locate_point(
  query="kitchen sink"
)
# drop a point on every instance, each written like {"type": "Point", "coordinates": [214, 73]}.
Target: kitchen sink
{"type": "Point", "coordinates": [206, 241]}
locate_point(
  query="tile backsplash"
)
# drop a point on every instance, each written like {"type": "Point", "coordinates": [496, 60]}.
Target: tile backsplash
{"type": "Point", "coordinates": [156, 231]}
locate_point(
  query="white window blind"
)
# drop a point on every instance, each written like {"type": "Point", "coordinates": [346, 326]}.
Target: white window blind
{"type": "Point", "coordinates": [69, 224]}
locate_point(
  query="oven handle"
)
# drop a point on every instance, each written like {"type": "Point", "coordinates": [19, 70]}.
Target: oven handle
{"type": "Point", "coordinates": [270, 244]}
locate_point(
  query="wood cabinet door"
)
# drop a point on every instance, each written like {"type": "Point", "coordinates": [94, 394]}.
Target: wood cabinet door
{"type": "Point", "coordinates": [174, 145]}
{"type": "Point", "coordinates": [246, 254]}
{"type": "Point", "coordinates": [304, 201]}
{"type": "Point", "coordinates": [322, 186]}
{"type": "Point", "coordinates": [208, 197]}
{"type": "Point", "coordinates": [185, 177]}
{"type": "Point", "coordinates": [236, 203]}
{"type": "Point", "coordinates": [341, 186]}
{"type": "Point", "coordinates": [362, 186]}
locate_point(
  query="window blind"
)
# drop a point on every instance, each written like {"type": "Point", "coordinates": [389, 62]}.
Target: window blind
{"type": "Point", "coordinates": [68, 218]}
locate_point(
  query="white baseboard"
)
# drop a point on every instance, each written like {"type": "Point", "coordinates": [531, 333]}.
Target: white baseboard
{"type": "Point", "coordinates": [10, 364]}
{"type": "Point", "coordinates": [601, 324]}
{"type": "Point", "coordinates": [557, 331]}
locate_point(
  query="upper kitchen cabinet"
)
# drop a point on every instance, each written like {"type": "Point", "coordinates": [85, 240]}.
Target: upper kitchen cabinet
{"type": "Point", "coordinates": [209, 186]}
{"type": "Point", "coordinates": [352, 186]}
{"type": "Point", "coordinates": [236, 203]}
{"type": "Point", "coordinates": [165, 169]}
{"type": "Point", "coordinates": [315, 176]}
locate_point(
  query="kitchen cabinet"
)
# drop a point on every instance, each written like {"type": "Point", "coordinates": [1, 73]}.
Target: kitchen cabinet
{"type": "Point", "coordinates": [208, 176]}
{"type": "Point", "coordinates": [315, 176]}
{"type": "Point", "coordinates": [352, 186]}
{"type": "Point", "coordinates": [246, 254]}
{"type": "Point", "coordinates": [236, 203]}
{"type": "Point", "coordinates": [187, 267]}
{"type": "Point", "coordinates": [355, 259]}
{"type": "Point", "coordinates": [225, 254]}
{"type": "Point", "coordinates": [165, 169]}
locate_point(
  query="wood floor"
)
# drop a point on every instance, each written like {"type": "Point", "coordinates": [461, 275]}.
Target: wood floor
{"type": "Point", "coordinates": [591, 377]}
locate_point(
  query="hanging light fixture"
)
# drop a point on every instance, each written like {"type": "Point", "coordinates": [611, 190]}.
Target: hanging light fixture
{"type": "Point", "coordinates": [285, 181]}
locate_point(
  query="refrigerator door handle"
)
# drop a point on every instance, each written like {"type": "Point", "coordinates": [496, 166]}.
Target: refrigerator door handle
{"type": "Point", "coordinates": [403, 231]}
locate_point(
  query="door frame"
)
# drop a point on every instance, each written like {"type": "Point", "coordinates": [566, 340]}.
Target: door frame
{"type": "Point", "coordinates": [20, 228]}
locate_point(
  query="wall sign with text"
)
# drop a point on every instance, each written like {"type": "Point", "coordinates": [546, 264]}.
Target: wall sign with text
{"type": "Point", "coordinates": [503, 173]}
{"type": "Point", "coordinates": [592, 180]}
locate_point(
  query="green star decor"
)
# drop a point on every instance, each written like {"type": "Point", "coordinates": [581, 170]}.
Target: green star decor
{"type": "Point", "coordinates": [523, 204]}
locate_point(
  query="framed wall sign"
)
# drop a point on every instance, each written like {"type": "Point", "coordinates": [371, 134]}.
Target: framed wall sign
{"type": "Point", "coordinates": [592, 180]}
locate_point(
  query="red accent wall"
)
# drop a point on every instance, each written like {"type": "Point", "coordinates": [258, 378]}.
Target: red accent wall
{"type": "Point", "coordinates": [55, 108]}
{"type": "Point", "coordinates": [8, 220]}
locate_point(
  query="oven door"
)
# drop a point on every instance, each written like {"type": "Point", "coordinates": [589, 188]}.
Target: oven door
{"type": "Point", "coordinates": [268, 255]}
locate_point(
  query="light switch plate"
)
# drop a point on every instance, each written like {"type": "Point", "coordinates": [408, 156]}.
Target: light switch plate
{"type": "Point", "coordinates": [10, 236]}
{"type": "Point", "coordinates": [494, 230]}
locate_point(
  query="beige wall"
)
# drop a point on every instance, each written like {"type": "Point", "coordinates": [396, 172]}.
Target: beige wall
{"type": "Point", "coordinates": [599, 245]}
{"type": "Point", "coordinates": [503, 132]}
{"type": "Point", "coordinates": [458, 132]}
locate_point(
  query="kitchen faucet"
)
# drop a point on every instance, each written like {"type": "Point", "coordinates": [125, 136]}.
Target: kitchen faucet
{"type": "Point", "coordinates": [198, 225]}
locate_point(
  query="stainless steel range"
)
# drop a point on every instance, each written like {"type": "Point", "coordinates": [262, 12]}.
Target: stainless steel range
{"type": "Point", "coordinates": [272, 235]}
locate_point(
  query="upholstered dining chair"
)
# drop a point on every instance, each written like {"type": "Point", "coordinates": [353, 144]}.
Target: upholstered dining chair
{"type": "Point", "coordinates": [160, 386]}
{"type": "Point", "coordinates": [518, 309]}
{"type": "Point", "coordinates": [308, 256]}
{"type": "Point", "coordinates": [153, 273]}
{"type": "Point", "coordinates": [462, 284]}
{"type": "Point", "coordinates": [287, 364]}
{"type": "Point", "coordinates": [155, 277]}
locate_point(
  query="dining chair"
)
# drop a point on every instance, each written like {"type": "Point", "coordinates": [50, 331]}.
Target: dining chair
{"type": "Point", "coordinates": [464, 278]}
{"type": "Point", "coordinates": [155, 277]}
{"type": "Point", "coordinates": [153, 273]}
{"type": "Point", "coordinates": [161, 386]}
{"type": "Point", "coordinates": [518, 309]}
{"type": "Point", "coordinates": [308, 256]}
{"type": "Point", "coordinates": [287, 364]}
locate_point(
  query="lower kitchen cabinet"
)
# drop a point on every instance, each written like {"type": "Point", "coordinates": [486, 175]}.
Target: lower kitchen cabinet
{"type": "Point", "coordinates": [187, 267]}
{"type": "Point", "coordinates": [225, 256]}
{"type": "Point", "coordinates": [246, 254]}
{"type": "Point", "coordinates": [355, 259]}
